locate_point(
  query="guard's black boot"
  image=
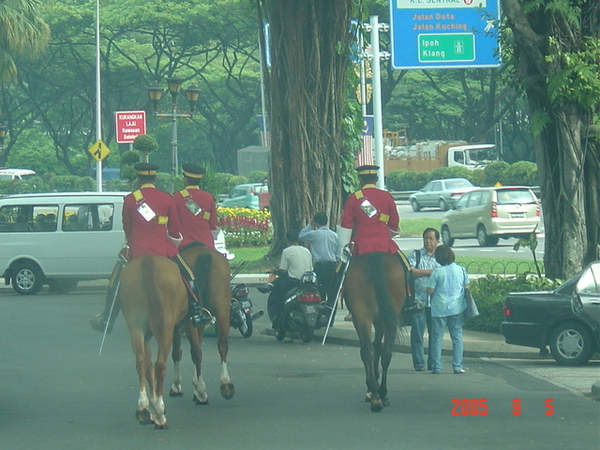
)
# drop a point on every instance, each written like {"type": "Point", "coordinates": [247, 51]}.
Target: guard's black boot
{"type": "Point", "coordinates": [413, 305]}
{"type": "Point", "coordinates": [199, 316]}
{"type": "Point", "coordinates": [98, 323]}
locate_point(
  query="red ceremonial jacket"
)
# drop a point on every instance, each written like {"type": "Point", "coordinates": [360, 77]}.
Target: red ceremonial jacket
{"type": "Point", "coordinates": [371, 213]}
{"type": "Point", "coordinates": [149, 237]}
{"type": "Point", "coordinates": [196, 225]}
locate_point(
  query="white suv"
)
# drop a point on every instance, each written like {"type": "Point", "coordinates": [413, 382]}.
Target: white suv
{"type": "Point", "coordinates": [489, 214]}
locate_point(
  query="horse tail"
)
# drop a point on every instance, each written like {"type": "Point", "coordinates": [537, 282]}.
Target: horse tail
{"type": "Point", "coordinates": [202, 269]}
{"type": "Point", "coordinates": [150, 286]}
{"type": "Point", "coordinates": [386, 309]}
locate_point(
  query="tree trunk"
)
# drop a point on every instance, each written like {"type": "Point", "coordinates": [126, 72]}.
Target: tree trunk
{"type": "Point", "coordinates": [566, 156]}
{"type": "Point", "coordinates": [309, 52]}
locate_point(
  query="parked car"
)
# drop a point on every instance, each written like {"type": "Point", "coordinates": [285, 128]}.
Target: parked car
{"type": "Point", "coordinates": [251, 195]}
{"type": "Point", "coordinates": [59, 238]}
{"type": "Point", "coordinates": [566, 319]}
{"type": "Point", "coordinates": [489, 214]}
{"type": "Point", "coordinates": [440, 193]}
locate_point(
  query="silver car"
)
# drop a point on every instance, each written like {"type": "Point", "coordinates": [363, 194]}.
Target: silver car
{"type": "Point", "coordinates": [440, 193]}
{"type": "Point", "coordinates": [489, 214]}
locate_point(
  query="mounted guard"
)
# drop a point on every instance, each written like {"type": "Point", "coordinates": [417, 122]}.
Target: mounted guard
{"type": "Point", "coordinates": [375, 283]}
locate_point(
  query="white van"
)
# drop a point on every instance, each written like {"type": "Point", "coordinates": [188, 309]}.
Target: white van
{"type": "Point", "coordinates": [59, 238]}
{"type": "Point", "coordinates": [12, 174]}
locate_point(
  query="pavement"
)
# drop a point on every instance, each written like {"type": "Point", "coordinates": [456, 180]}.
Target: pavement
{"type": "Point", "coordinates": [476, 345]}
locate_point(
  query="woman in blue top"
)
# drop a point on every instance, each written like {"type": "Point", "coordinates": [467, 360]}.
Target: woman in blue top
{"type": "Point", "coordinates": [446, 286]}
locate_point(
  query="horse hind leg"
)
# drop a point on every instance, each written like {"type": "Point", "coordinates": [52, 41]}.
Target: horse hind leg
{"type": "Point", "coordinates": [227, 388]}
{"type": "Point", "coordinates": [200, 396]}
{"type": "Point", "coordinates": [143, 412]}
{"type": "Point", "coordinates": [386, 359]}
{"type": "Point", "coordinates": [160, 370]}
{"type": "Point", "coordinates": [176, 389]}
{"type": "Point", "coordinates": [367, 356]}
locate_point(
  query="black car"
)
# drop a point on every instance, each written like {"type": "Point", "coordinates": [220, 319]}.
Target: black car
{"type": "Point", "coordinates": [566, 319]}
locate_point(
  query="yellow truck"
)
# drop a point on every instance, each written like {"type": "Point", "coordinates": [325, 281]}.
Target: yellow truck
{"type": "Point", "coordinates": [429, 155]}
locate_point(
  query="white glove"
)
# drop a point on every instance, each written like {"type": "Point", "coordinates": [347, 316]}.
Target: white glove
{"type": "Point", "coordinates": [176, 241]}
{"type": "Point", "coordinates": [215, 233]}
{"type": "Point", "coordinates": [394, 233]}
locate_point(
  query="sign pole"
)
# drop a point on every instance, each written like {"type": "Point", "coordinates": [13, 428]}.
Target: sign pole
{"type": "Point", "coordinates": [98, 98]}
{"type": "Point", "coordinates": [377, 109]}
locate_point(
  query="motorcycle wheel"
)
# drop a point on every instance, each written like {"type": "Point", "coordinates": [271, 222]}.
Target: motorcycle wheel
{"type": "Point", "coordinates": [307, 334]}
{"type": "Point", "coordinates": [246, 326]}
{"type": "Point", "coordinates": [280, 334]}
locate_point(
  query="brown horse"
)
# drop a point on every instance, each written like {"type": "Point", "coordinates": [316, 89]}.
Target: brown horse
{"type": "Point", "coordinates": [375, 291]}
{"type": "Point", "coordinates": [212, 274]}
{"type": "Point", "coordinates": [154, 300]}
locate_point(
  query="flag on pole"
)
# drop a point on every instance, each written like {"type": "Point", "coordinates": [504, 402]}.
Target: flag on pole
{"type": "Point", "coordinates": [365, 155]}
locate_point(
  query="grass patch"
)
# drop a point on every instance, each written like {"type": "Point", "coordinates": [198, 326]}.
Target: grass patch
{"type": "Point", "coordinates": [473, 264]}
{"type": "Point", "coordinates": [255, 257]}
{"type": "Point", "coordinates": [415, 227]}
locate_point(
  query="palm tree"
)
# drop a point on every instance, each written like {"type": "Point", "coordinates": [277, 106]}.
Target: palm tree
{"type": "Point", "coordinates": [22, 32]}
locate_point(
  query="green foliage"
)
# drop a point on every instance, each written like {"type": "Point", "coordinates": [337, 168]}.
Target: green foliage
{"type": "Point", "coordinates": [402, 180]}
{"type": "Point", "coordinates": [522, 173]}
{"type": "Point", "coordinates": [530, 242]}
{"type": "Point", "coordinates": [257, 176]}
{"type": "Point", "coordinates": [456, 172]}
{"type": "Point", "coordinates": [130, 157]}
{"type": "Point", "coordinates": [578, 78]}
{"type": "Point", "coordinates": [145, 144]}
{"type": "Point", "coordinates": [235, 180]}
{"type": "Point", "coordinates": [221, 182]}
{"type": "Point", "coordinates": [490, 291]}
{"type": "Point", "coordinates": [116, 186]}
{"type": "Point", "coordinates": [495, 173]}
{"type": "Point", "coordinates": [67, 183]}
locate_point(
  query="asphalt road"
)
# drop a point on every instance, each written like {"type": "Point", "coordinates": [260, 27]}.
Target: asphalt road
{"type": "Point", "coordinates": [56, 392]}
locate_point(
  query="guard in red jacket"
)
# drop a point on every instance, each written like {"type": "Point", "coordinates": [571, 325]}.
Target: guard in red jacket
{"type": "Point", "coordinates": [150, 218]}
{"type": "Point", "coordinates": [196, 209]}
{"type": "Point", "coordinates": [371, 213]}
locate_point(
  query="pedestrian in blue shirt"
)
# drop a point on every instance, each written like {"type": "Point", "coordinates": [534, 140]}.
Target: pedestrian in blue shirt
{"type": "Point", "coordinates": [446, 286]}
{"type": "Point", "coordinates": [324, 247]}
{"type": "Point", "coordinates": [422, 263]}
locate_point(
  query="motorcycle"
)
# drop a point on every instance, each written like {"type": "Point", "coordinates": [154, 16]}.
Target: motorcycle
{"type": "Point", "coordinates": [241, 316]}
{"type": "Point", "coordinates": [301, 312]}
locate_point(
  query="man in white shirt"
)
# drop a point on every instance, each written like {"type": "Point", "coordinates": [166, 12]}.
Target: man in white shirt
{"type": "Point", "coordinates": [295, 260]}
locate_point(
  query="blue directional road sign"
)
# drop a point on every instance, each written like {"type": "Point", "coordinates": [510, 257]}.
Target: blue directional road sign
{"type": "Point", "coordinates": [444, 34]}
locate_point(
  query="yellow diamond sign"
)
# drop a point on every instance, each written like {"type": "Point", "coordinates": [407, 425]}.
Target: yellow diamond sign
{"type": "Point", "coordinates": [99, 150]}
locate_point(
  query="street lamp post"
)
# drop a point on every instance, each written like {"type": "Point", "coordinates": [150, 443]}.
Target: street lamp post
{"type": "Point", "coordinates": [192, 94]}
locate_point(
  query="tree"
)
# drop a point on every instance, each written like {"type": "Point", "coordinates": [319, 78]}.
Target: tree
{"type": "Point", "coordinates": [22, 32]}
{"type": "Point", "coordinates": [310, 54]}
{"type": "Point", "coordinates": [557, 49]}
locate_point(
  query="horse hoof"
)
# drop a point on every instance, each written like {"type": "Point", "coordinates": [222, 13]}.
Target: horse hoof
{"type": "Point", "coordinates": [143, 416]}
{"type": "Point", "coordinates": [174, 393]}
{"type": "Point", "coordinates": [385, 402]}
{"type": "Point", "coordinates": [376, 406]}
{"type": "Point", "coordinates": [227, 391]}
{"type": "Point", "coordinates": [164, 426]}
{"type": "Point", "coordinates": [197, 400]}
{"type": "Point", "coordinates": [368, 397]}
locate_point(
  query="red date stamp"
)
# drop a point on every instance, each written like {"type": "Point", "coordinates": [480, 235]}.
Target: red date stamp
{"type": "Point", "coordinates": [479, 407]}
